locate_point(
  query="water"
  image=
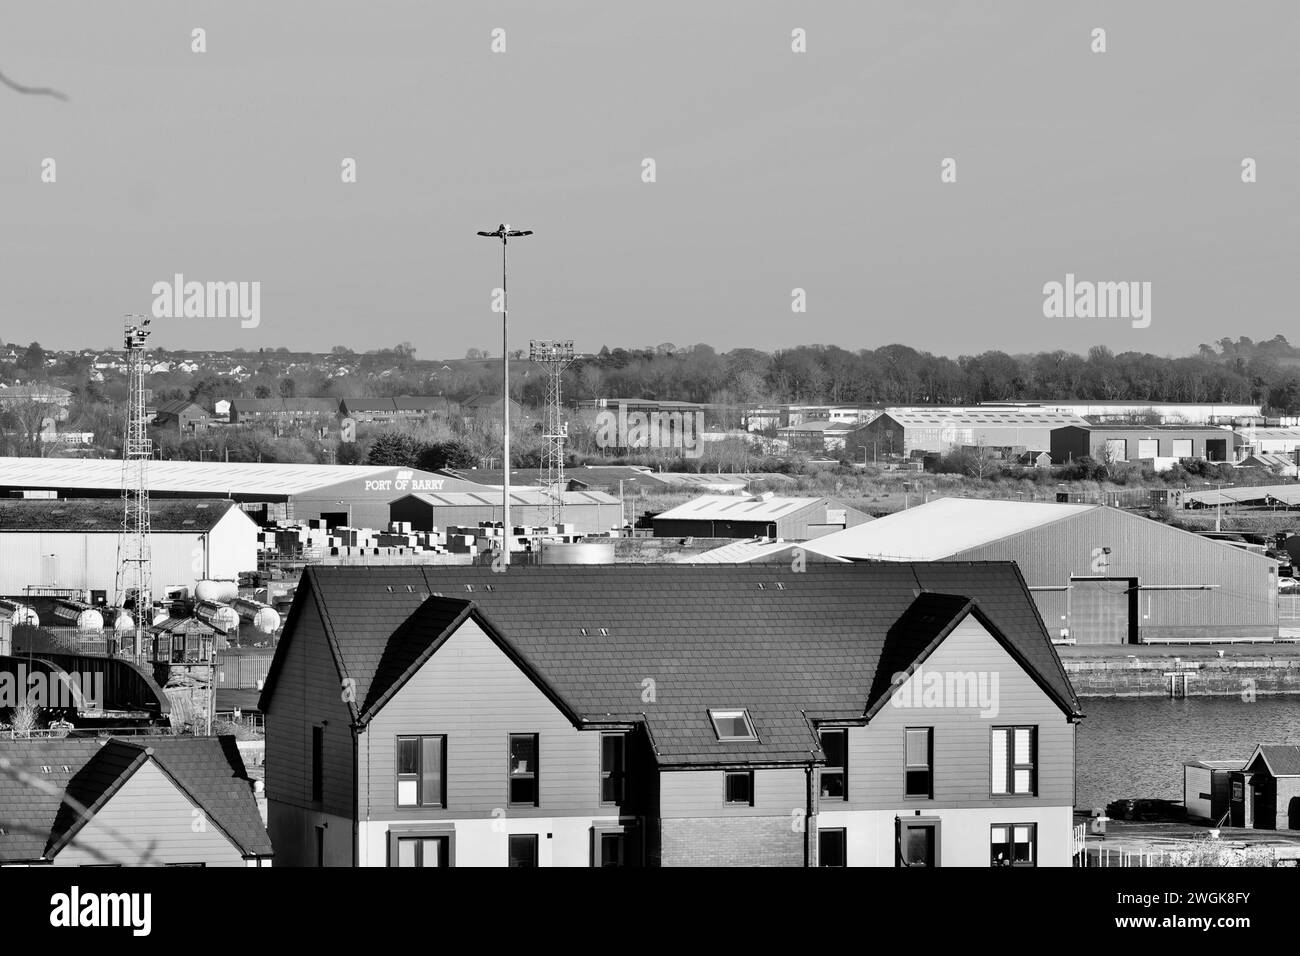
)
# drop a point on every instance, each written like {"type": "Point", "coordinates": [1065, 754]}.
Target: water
{"type": "Point", "coordinates": [1135, 746]}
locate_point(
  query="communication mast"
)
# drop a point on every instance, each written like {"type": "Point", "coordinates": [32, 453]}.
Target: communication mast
{"type": "Point", "coordinates": [555, 355]}
{"type": "Point", "coordinates": [134, 578]}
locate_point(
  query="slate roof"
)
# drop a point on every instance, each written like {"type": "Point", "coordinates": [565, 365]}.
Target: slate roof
{"type": "Point", "coordinates": [1283, 759]}
{"type": "Point", "coordinates": [105, 514]}
{"type": "Point", "coordinates": [789, 646]}
{"type": "Point", "coordinates": [36, 824]}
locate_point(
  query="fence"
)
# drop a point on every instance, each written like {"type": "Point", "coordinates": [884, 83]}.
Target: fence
{"type": "Point", "coordinates": [242, 671]}
{"type": "Point", "coordinates": [1288, 607]}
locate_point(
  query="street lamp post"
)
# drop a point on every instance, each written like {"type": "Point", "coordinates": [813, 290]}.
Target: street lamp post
{"type": "Point", "coordinates": [505, 233]}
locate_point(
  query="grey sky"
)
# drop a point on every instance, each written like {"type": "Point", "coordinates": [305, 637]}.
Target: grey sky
{"type": "Point", "coordinates": [775, 170]}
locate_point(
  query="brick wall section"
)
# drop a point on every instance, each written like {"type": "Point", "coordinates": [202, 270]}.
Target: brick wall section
{"type": "Point", "coordinates": [740, 841]}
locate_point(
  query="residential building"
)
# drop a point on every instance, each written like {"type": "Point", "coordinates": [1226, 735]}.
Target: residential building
{"type": "Point", "coordinates": [148, 801]}
{"type": "Point", "coordinates": [283, 411]}
{"type": "Point", "coordinates": [182, 416]}
{"type": "Point", "coordinates": [404, 408]}
{"type": "Point", "coordinates": [759, 715]}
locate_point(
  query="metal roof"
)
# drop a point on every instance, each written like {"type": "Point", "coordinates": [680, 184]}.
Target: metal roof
{"type": "Point", "coordinates": [942, 528]}
{"type": "Point", "coordinates": [1289, 493]}
{"type": "Point", "coordinates": [523, 496]}
{"type": "Point", "coordinates": [962, 417]}
{"type": "Point", "coordinates": [214, 478]}
{"type": "Point", "coordinates": [737, 508]}
{"type": "Point", "coordinates": [743, 552]}
{"type": "Point", "coordinates": [105, 514]}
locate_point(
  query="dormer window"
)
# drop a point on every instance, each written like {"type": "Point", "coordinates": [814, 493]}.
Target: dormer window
{"type": "Point", "coordinates": [732, 725]}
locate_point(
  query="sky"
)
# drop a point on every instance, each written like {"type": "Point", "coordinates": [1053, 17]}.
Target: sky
{"type": "Point", "coordinates": [774, 171]}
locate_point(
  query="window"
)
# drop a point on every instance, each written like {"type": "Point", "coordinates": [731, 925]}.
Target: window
{"type": "Point", "coordinates": [523, 849]}
{"type": "Point", "coordinates": [613, 767]}
{"type": "Point", "coordinates": [740, 787]}
{"type": "Point", "coordinates": [317, 764]}
{"type": "Point", "coordinates": [831, 848]}
{"type": "Point", "coordinates": [523, 770]}
{"type": "Point", "coordinates": [835, 777]}
{"type": "Point", "coordinates": [732, 725]}
{"type": "Point", "coordinates": [1013, 844]}
{"type": "Point", "coordinates": [919, 770]}
{"type": "Point", "coordinates": [422, 851]}
{"type": "Point", "coordinates": [422, 771]}
{"type": "Point", "coordinates": [1015, 753]}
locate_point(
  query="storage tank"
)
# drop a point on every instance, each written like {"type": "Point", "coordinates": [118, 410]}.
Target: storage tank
{"type": "Point", "coordinates": [78, 614]}
{"type": "Point", "coordinates": [16, 613]}
{"type": "Point", "coordinates": [121, 618]}
{"type": "Point", "coordinates": [580, 552]}
{"type": "Point", "coordinates": [223, 617]}
{"type": "Point", "coordinates": [216, 591]}
{"type": "Point", "coordinates": [261, 617]}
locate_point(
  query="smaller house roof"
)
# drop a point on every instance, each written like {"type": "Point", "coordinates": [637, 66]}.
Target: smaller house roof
{"type": "Point", "coordinates": [37, 822]}
{"type": "Point", "coordinates": [1282, 760]}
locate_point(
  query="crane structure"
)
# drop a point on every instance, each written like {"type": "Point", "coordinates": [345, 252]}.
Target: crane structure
{"type": "Point", "coordinates": [554, 355]}
{"type": "Point", "coordinates": [134, 577]}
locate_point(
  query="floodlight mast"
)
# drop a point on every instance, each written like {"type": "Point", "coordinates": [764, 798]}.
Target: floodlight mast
{"type": "Point", "coordinates": [555, 355]}
{"type": "Point", "coordinates": [505, 234]}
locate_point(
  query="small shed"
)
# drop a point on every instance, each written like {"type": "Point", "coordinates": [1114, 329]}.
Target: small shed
{"type": "Point", "coordinates": [1207, 788]}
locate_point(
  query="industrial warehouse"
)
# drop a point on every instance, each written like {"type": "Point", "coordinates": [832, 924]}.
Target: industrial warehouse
{"type": "Point", "coordinates": [355, 495]}
{"type": "Point", "coordinates": [909, 431]}
{"type": "Point", "coordinates": [1098, 574]}
{"type": "Point", "coordinates": [585, 512]}
{"type": "Point", "coordinates": [766, 515]}
{"type": "Point", "coordinates": [57, 546]}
